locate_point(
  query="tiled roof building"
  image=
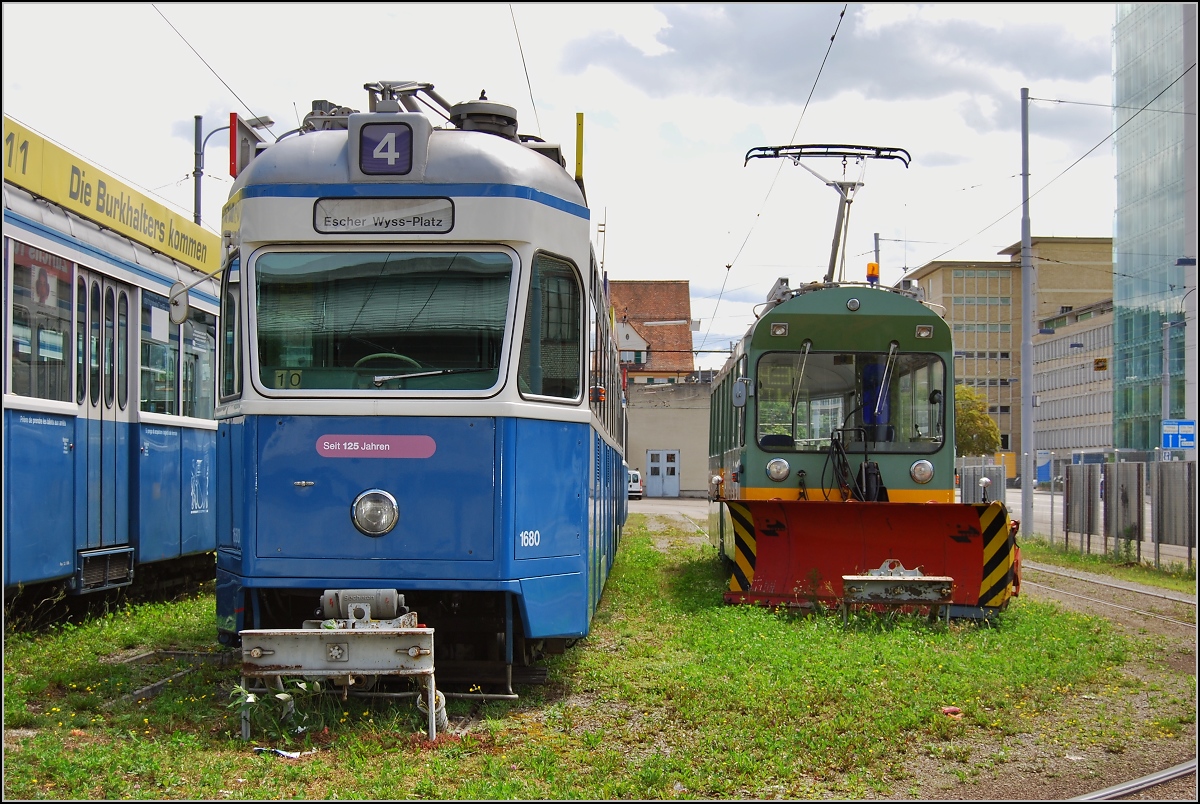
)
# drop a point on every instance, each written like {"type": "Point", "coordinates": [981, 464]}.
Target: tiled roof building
{"type": "Point", "coordinates": [667, 405]}
{"type": "Point", "coordinates": [654, 329]}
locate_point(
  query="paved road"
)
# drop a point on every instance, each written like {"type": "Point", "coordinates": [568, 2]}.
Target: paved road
{"type": "Point", "coordinates": [693, 509]}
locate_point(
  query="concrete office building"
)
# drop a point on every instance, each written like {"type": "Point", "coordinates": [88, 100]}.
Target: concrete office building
{"type": "Point", "coordinates": [982, 302]}
{"type": "Point", "coordinates": [1072, 383]}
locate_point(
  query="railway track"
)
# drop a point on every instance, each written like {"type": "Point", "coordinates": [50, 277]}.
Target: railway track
{"type": "Point", "coordinates": [1129, 604]}
{"type": "Point", "coordinates": [1152, 782]}
{"type": "Point", "coordinates": [1138, 609]}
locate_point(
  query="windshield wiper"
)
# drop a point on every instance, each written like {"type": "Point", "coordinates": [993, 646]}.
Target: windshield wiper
{"type": "Point", "coordinates": [381, 379]}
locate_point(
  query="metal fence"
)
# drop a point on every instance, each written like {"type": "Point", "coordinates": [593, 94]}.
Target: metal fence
{"type": "Point", "coordinates": [1131, 506]}
{"type": "Point", "coordinates": [1175, 503]}
{"type": "Point", "coordinates": [972, 492]}
{"type": "Point", "coordinates": [1081, 500]}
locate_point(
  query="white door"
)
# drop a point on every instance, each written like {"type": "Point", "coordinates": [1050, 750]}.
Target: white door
{"type": "Point", "coordinates": [662, 473]}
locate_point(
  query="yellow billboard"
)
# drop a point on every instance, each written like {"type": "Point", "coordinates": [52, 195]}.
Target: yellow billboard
{"type": "Point", "coordinates": [46, 170]}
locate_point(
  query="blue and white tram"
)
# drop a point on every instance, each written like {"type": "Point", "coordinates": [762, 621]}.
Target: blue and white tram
{"type": "Point", "coordinates": [418, 390]}
{"type": "Point", "coordinates": [109, 438]}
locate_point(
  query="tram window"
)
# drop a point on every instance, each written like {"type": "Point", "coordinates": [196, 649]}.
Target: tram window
{"type": "Point", "coordinates": [22, 352]}
{"type": "Point", "coordinates": [231, 350]}
{"type": "Point", "coordinates": [550, 364]}
{"type": "Point", "coordinates": [41, 316]}
{"type": "Point", "coordinates": [123, 350]}
{"type": "Point", "coordinates": [110, 347]}
{"type": "Point", "coordinates": [381, 321]}
{"type": "Point", "coordinates": [80, 341]}
{"type": "Point", "coordinates": [199, 350]}
{"type": "Point", "coordinates": [94, 342]}
{"type": "Point", "coordinates": [597, 389]}
{"type": "Point", "coordinates": [604, 385]}
{"type": "Point", "coordinates": [868, 400]}
{"type": "Point", "coordinates": [160, 355]}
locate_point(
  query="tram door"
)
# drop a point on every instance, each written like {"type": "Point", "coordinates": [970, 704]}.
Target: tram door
{"type": "Point", "coordinates": [102, 324]}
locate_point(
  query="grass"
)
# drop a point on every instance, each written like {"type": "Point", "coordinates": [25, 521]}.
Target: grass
{"type": "Point", "coordinates": [1120, 563]}
{"type": "Point", "coordinates": [673, 695]}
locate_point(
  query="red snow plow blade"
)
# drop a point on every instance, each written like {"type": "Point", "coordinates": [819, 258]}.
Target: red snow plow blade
{"type": "Point", "coordinates": [795, 553]}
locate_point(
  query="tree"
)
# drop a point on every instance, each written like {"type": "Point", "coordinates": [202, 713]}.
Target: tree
{"type": "Point", "coordinates": [975, 432]}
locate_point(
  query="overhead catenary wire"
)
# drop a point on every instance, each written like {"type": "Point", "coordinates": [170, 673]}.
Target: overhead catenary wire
{"type": "Point", "coordinates": [775, 178]}
{"type": "Point", "coordinates": [528, 83]}
{"type": "Point", "coordinates": [1110, 106]}
{"type": "Point", "coordinates": [217, 75]}
{"type": "Point", "coordinates": [1067, 169]}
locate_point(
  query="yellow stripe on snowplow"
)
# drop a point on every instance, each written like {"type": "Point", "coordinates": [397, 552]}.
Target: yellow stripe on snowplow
{"type": "Point", "coordinates": [744, 548]}
{"type": "Point", "coordinates": [996, 588]}
{"type": "Point", "coordinates": [894, 495]}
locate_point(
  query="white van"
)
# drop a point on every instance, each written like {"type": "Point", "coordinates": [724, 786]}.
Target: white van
{"type": "Point", "coordinates": [635, 484]}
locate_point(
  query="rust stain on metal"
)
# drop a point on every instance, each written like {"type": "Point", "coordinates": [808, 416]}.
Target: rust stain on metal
{"type": "Point", "coordinates": [254, 669]}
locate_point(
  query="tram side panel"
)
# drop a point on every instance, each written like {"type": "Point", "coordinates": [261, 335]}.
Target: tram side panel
{"type": "Point", "coordinates": [158, 493]}
{"type": "Point", "coordinates": [40, 481]}
{"type": "Point", "coordinates": [233, 517]}
{"type": "Point", "coordinates": [173, 488]}
{"type": "Point", "coordinates": [551, 527]}
{"type": "Point", "coordinates": [198, 519]}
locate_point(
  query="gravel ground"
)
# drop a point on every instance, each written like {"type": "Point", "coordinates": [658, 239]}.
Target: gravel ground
{"type": "Point", "coordinates": [1058, 759]}
{"type": "Point", "coordinates": [1063, 755]}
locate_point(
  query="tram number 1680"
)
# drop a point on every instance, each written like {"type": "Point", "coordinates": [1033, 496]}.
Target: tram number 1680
{"type": "Point", "coordinates": [531, 538]}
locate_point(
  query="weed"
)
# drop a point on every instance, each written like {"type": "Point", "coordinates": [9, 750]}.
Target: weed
{"type": "Point", "coordinates": [1124, 549]}
{"type": "Point", "coordinates": [291, 708]}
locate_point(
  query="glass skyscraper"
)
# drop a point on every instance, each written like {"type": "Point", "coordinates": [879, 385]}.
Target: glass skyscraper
{"type": "Point", "coordinates": [1154, 233]}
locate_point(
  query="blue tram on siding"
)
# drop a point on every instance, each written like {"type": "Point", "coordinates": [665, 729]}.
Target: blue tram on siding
{"type": "Point", "coordinates": [109, 438]}
{"type": "Point", "coordinates": [418, 388]}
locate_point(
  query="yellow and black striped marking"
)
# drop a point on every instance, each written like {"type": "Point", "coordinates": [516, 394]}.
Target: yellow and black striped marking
{"type": "Point", "coordinates": [998, 554]}
{"type": "Point", "coordinates": [744, 548]}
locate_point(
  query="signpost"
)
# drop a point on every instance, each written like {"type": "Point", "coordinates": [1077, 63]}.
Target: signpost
{"type": "Point", "coordinates": [1179, 434]}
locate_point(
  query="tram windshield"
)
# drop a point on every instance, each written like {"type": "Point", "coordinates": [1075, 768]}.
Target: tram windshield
{"type": "Point", "coordinates": [381, 321]}
{"type": "Point", "coordinates": [872, 401]}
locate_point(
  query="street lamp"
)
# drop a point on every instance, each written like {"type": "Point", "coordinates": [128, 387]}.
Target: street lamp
{"type": "Point", "coordinates": [253, 122]}
{"type": "Point", "coordinates": [1166, 375]}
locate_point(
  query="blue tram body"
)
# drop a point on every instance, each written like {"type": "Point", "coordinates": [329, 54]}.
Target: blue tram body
{"type": "Point", "coordinates": [109, 442]}
{"type": "Point", "coordinates": [419, 389]}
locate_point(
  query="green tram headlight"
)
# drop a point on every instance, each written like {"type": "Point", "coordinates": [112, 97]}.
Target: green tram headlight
{"type": "Point", "coordinates": [921, 471]}
{"type": "Point", "coordinates": [778, 469]}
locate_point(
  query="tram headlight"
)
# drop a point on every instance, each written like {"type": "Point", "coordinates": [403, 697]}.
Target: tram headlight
{"type": "Point", "coordinates": [778, 469]}
{"type": "Point", "coordinates": [921, 471]}
{"type": "Point", "coordinates": [374, 512]}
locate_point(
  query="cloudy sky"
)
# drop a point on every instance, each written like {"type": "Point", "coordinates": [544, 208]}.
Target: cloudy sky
{"type": "Point", "coordinates": [673, 97]}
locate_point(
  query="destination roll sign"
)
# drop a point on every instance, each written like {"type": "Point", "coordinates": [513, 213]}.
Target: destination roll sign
{"type": "Point", "coordinates": [383, 215]}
